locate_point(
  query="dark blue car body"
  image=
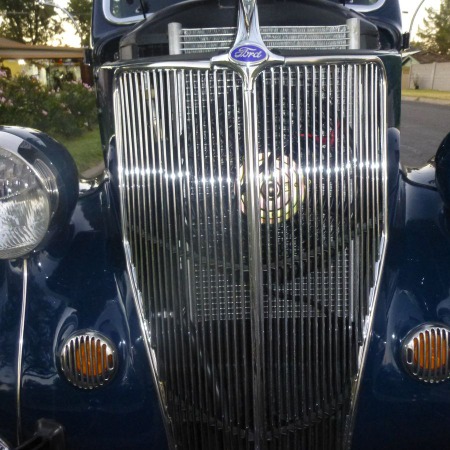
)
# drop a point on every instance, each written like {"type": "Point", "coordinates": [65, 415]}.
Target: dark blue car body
{"type": "Point", "coordinates": [80, 281]}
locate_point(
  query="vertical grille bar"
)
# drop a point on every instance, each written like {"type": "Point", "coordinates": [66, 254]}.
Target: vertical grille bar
{"type": "Point", "coordinates": [253, 222]}
{"type": "Point", "coordinates": [252, 184]}
{"type": "Point", "coordinates": [241, 299]}
{"type": "Point", "coordinates": [301, 336]}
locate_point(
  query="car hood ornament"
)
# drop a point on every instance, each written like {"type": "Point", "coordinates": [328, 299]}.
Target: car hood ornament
{"type": "Point", "coordinates": [248, 7]}
{"type": "Point", "coordinates": [249, 54]}
{"type": "Point", "coordinates": [249, 48]}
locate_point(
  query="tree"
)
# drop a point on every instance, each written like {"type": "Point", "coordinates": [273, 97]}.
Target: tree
{"type": "Point", "coordinates": [436, 34]}
{"type": "Point", "coordinates": [81, 10]}
{"type": "Point", "coordinates": [27, 21]}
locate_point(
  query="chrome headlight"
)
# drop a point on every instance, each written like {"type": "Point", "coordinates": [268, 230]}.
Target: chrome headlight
{"type": "Point", "coordinates": [30, 189]}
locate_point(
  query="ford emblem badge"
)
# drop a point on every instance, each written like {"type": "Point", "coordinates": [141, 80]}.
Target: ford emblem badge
{"type": "Point", "coordinates": [248, 54]}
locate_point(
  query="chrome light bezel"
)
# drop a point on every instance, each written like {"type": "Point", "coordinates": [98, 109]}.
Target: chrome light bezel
{"type": "Point", "coordinates": [39, 167]}
{"type": "Point", "coordinates": [423, 374]}
{"type": "Point", "coordinates": [55, 172]}
{"type": "Point", "coordinates": [68, 360]}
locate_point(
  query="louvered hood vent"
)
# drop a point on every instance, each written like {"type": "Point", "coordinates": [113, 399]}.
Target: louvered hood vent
{"type": "Point", "coordinates": [338, 37]}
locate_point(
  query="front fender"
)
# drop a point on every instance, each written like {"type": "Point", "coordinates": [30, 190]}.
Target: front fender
{"type": "Point", "coordinates": [80, 283]}
{"type": "Point", "coordinates": [395, 411]}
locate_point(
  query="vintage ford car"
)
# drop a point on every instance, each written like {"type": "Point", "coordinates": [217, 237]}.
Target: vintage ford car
{"type": "Point", "coordinates": [255, 270]}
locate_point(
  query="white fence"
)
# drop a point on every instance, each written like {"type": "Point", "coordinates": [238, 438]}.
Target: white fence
{"type": "Point", "coordinates": [428, 76]}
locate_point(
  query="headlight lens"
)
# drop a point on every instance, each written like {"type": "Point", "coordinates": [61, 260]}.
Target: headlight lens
{"type": "Point", "coordinates": [25, 205]}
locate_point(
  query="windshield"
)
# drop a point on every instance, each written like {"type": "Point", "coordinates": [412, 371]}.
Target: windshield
{"type": "Point", "coordinates": [129, 11]}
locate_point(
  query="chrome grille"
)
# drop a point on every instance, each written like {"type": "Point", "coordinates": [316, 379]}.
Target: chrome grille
{"type": "Point", "coordinates": [221, 291]}
{"type": "Point", "coordinates": [253, 227]}
{"type": "Point", "coordinates": [197, 40]}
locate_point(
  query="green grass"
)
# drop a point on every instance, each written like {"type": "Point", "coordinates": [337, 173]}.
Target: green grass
{"type": "Point", "coordinates": [426, 93]}
{"type": "Point", "coordinates": [86, 149]}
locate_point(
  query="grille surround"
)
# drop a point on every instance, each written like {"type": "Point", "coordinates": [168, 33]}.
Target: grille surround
{"type": "Point", "coordinates": [129, 144]}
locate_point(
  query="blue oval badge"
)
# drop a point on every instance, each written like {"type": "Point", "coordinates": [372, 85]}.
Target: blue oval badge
{"type": "Point", "coordinates": [248, 54]}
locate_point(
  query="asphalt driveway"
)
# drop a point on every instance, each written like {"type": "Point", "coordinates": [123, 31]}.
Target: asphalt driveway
{"type": "Point", "coordinates": [423, 126]}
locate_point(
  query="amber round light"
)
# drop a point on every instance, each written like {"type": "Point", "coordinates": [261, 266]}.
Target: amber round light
{"type": "Point", "coordinates": [88, 360]}
{"type": "Point", "coordinates": [426, 353]}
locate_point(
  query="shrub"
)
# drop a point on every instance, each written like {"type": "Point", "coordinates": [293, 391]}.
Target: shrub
{"type": "Point", "coordinates": [21, 102]}
{"type": "Point", "coordinates": [68, 112]}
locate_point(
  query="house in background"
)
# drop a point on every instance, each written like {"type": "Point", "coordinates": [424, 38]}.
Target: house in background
{"type": "Point", "coordinates": [45, 63]}
{"type": "Point", "coordinates": [425, 70]}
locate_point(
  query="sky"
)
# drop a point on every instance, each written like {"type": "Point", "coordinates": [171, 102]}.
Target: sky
{"type": "Point", "coordinates": [69, 37]}
{"type": "Point", "coordinates": [408, 7]}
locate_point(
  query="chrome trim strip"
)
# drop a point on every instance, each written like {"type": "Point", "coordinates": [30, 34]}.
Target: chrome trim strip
{"type": "Point", "coordinates": [205, 64]}
{"type": "Point", "coordinates": [20, 350]}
